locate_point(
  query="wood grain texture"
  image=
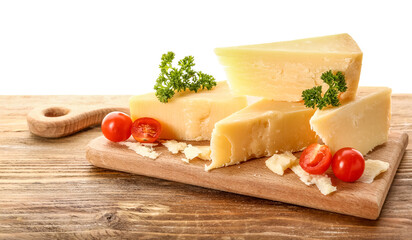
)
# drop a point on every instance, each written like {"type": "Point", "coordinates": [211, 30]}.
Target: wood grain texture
{"type": "Point", "coordinates": [48, 190]}
{"type": "Point", "coordinates": [60, 121]}
{"type": "Point", "coordinates": [253, 178]}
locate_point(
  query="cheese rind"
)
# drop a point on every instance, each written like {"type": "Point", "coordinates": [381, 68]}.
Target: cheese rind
{"type": "Point", "coordinates": [261, 129]}
{"type": "Point", "coordinates": [361, 124]}
{"type": "Point", "coordinates": [188, 115]}
{"type": "Point", "coordinates": [372, 169]}
{"type": "Point", "coordinates": [278, 163]}
{"type": "Point", "coordinates": [282, 70]}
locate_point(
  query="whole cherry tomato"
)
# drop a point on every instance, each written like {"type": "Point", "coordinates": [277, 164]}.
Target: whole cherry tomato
{"type": "Point", "coordinates": [146, 130]}
{"type": "Point", "coordinates": [116, 126]}
{"type": "Point", "coordinates": [348, 164]}
{"type": "Point", "coordinates": [315, 159]}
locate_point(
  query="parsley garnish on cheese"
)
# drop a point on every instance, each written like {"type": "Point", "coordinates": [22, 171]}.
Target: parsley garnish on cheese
{"type": "Point", "coordinates": [173, 79]}
{"type": "Point", "coordinates": [313, 97]}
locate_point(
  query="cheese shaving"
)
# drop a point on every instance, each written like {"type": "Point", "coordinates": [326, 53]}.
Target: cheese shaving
{"type": "Point", "coordinates": [141, 150]}
{"type": "Point", "coordinates": [174, 146]}
{"type": "Point", "coordinates": [185, 160]}
{"type": "Point", "coordinates": [202, 152]}
{"type": "Point", "coordinates": [372, 169]}
{"type": "Point", "coordinates": [322, 182]}
{"type": "Point", "coordinates": [191, 152]}
{"type": "Point", "coordinates": [205, 152]}
{"type": "Point", "coordinates": [278, 163]}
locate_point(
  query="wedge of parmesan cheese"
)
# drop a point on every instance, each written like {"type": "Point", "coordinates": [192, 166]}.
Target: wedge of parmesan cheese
{"type": "Point", "coordinates": [174, 146]}
{"type": "Point", "coordinates": [362, 123]}
{"type": "Point", "coordinates": [145, 151]}
{"type": "Point", "coordinates": [188, 115]}
{"type": "Point", "coordinates": [282, 70]}
{"type": "Point", "coordinates": [283, 126]}
{"type": "Point", "coordinates": [372, 169]}
{"type": "Point", "coordinates": [322, 182]}
{"type": "Point", "coordinates": [278, 163]}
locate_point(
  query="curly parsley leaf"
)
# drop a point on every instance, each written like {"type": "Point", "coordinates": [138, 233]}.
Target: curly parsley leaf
{"type": "Point", "coordinates": [173, 79]}
{"type": "Point", "coordinates": [313, 97]}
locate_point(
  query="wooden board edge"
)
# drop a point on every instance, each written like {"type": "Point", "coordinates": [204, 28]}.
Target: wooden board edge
{"type": "Point", "coordinates": [374, 206]}
{"type": "Point", "coordinates": [405, 140]}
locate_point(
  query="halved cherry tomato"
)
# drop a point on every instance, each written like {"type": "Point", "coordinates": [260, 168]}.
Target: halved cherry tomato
{"type": "Point", "coordinates": [315, 159]}
{"type": "Point", "coordinates": [146, 130]}
{"type": "Point", "coordinates": [116, 126]}
{"type": "Point", "coordinates": [348, 164]}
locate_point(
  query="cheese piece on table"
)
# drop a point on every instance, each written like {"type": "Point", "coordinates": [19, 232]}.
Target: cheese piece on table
{"type": "Point", "coordinates": [261, 129]}
{"type": "Point", "coordinates": [278, 163]}
{"type": "Point", "coordinates": [361, 124]}
{"type": "Point", "coordinates": [322, 182]}
{"type": "Point", "coordinates": [372, 169]}
{"type": "Point", "coordinates": [282, 70]}
{"type": "Point", "coordinates": [188, 115]}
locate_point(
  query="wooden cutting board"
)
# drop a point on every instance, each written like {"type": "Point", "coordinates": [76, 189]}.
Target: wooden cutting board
{"type": "Point", "coordinates": [253, 178]}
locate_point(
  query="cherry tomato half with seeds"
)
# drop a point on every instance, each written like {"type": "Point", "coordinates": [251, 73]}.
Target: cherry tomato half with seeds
{"type": "Point", "coordinates": [348, 164]}
{"type": "Point", "coordinates": [146, 130]}
{"type": "Point", "coordinates": [315, 159]}
{"type": "Point", "coordinates": [116, 126]}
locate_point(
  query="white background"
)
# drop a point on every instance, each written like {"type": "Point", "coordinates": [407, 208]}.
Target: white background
{"type": "Point", "coordinates": [114, 47]}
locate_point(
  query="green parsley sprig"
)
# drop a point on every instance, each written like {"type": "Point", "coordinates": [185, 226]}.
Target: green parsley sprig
{"type": "Point", "coordinates": [313, 97]}
{"type": "Point", "coordinates": [173, 79]}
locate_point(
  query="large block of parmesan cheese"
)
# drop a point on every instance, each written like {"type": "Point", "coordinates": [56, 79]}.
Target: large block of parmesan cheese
{"type": "Point", "coordinates": [261, 129]}
{"type": "Point", "coordinates": [361, 124]}
{"type": "Point", "coordinates": [188, 115]}
{"type": "Point", "coordinates": [282, 70]}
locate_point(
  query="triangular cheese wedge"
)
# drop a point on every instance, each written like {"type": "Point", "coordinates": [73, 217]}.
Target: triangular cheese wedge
{"type": "Point", "coordinates": [282, 70]}
{"type": "Point", "coordinates": [188, 115]}
{"type": "Point", "coordinates": [361, 124]}
{"type": "Point", "coordinates": [261, 129]}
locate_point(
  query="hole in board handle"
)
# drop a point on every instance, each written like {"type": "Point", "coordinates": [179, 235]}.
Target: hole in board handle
{"type": "Point", "coordinates": [56, 112]}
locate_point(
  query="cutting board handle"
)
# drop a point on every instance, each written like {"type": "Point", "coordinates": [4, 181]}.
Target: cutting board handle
{"type": "Point", "coordinates": [59, 121]}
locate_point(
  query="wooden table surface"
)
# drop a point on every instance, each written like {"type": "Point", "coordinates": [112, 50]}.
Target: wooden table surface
{"type": "Point", "coordinates": [49, 190]}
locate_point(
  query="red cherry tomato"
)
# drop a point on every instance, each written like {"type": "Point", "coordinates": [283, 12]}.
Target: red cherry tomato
{"type": "Point", "coordinates": [146, 130]}
{"type": "Point", "coordinates": [348, 164]}
{"type": "Point", "coordinates": [315, 159]}
{"type": "Point", "coordinates": [116, 126]}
